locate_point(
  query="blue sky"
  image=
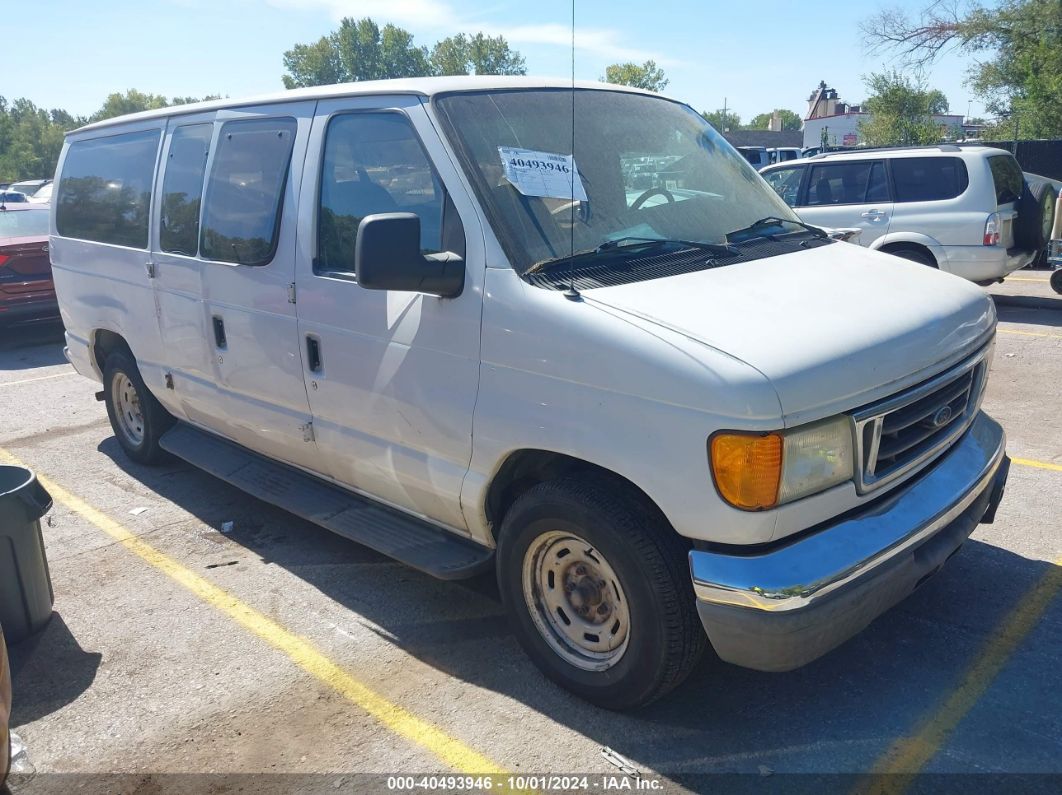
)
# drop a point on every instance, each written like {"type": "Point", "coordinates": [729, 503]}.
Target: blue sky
{"type": "Point", "coordinates": [756, 55]}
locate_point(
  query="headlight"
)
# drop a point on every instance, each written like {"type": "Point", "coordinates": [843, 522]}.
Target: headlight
{"type": "Point", "coordinates": [754, 471]}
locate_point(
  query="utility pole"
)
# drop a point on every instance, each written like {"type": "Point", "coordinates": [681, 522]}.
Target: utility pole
{"type": "Point", "coordinates": [726, 125]}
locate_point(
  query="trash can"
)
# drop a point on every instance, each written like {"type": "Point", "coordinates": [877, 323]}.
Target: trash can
{"type": "Point", "coordinates": [25, 584]}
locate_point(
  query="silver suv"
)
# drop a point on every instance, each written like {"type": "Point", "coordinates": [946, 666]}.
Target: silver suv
{"type": "Point", "coordinates": [967, 210]}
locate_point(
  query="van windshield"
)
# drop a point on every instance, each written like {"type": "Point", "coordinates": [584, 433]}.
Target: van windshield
{"type": "Point", "coordinates": [644, 167]}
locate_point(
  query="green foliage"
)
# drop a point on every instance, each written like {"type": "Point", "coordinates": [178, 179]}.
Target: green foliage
{"type": "Point", "coordinates": [478, 55]}
{"type": "Point", "coordinates": [790, 120]}
{"type": "Point", "coordinates": [361, 50]}
{"type": "Point", "coordinates": [900, 111]}
{"type": "Point", "coordinates": [31, 138]}
{"type": "Point", "coordinates": [723, 121]}
{"type": "Point", "coordinates": [1015, 48]}
{"type": "Point", "coordinates": [648, 76]}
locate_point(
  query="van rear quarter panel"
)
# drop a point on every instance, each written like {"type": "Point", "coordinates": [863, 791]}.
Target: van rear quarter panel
{"type": "Point", "coordinates": [105, 286]}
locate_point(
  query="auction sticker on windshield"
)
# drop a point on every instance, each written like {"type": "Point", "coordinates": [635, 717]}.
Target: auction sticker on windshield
{"type": "Point", "coordinates": [543, 174]}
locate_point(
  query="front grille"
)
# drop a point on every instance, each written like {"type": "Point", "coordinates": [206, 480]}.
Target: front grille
{"type": "Point", "coordinates": [897, 435]}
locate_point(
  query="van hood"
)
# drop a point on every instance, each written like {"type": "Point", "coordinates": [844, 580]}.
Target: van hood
{"type": "Point", "coordinates": [832, 327]}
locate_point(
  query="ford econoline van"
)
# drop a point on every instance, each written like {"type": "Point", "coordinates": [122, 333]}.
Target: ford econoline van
{"type": "Point", "coordinates": [617, 370]}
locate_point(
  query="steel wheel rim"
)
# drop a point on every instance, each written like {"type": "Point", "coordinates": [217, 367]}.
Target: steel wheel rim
{"type": "Point", "coordinates": [576, 601]}
{"type": "Point", "coordinates": [127, 409]}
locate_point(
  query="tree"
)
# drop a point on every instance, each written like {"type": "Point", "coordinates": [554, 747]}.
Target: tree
{"type": "Point", "coordinates": [357, 50]}
{"type": "Point", "coordinates": [723, 120]}
{"type": "Point", "coordinates": [901, 111]}
{"type": "Point", "coordinates": [1017, 45]}
{"type": "Point", "coordinates": [790, 120]}
{"type": "Point", "coordinates": [31, 139]}
{"type": "Point", "coordinates": [478, 55]}
{"type": "Point", "coordinates": [361, 50]}
{"type": "Point", "coordinates": [648, 76]}
{"type": "Point", "coordinates": [133, 101]}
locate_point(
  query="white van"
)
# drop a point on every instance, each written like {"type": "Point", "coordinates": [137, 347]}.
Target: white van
{"type": "Point", "coordinates": [626, 378]}
{"type": "Point", "coordinates": [964, 209]}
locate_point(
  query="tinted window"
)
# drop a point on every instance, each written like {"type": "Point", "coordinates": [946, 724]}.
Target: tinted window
{"type": "Point", "coordinates": [839, 183]}
{"type": "Point", "coordinates": [241, 211]}
{"type": "Point", "coordinates": [105, 189]}
{"type": "Point", "coordinates": [786, 183]}
{"type": "Point", "coordinates": [926, 179]}
{"type": "Point", "coordinates": [1007, 176]}
{"type": "Point", "coordinates": [878, 189]}
{"type": "Point", "coordinates": [373, 163]}
{"type": "Point", "coordinates": [24, 223]}
{"type": "Point", "coordinates": [182, 189]}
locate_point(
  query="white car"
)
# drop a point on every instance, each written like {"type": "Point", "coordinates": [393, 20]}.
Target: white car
{"type": "Point", "coordinates": [626, 378]}
{"type": "Point", "coordinates": [966, 210]}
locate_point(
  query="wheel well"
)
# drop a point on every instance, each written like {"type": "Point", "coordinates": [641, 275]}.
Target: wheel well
{"type": "Point", "coordinates": [105, 342]}
{"type": "Point", "coordinates": [525, 469]}
{"type": "Point", "coordinates": [891, 248]}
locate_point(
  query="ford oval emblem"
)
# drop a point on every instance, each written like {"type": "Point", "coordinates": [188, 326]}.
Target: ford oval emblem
{"type": "Point", "coordinates": [942, 416]}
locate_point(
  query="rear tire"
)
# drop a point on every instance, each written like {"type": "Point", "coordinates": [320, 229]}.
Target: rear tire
{"type": "Point", "coordinates": [914, 255]}
{"type": "Point", "coordinates": [598, 591]}
{"type": "Point", "coordinates": [1056, 281]}
{"type": "Point", "coordinates": [137, 418]}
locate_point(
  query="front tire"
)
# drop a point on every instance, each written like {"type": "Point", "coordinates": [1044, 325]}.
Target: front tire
{"type": "Point", "coordinates": [1056, 281]}
{"type": "Point", "coordinates": [137, 418]}
{"type": "Point", "coordinates": [598, 591]}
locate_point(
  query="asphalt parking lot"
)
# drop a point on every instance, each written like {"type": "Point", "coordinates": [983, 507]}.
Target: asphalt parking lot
{"type": "Point", "coordinates": [279, 657]}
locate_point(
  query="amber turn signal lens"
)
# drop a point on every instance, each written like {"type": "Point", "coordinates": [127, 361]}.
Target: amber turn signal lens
{"type": "Point", "coordinates": [747, 468]}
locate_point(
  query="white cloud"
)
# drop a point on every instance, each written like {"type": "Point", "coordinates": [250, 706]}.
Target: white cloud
{"type": "Point", "coordinates": [606, 43]}
{"type": "Point", "coordinates": [421, 13]}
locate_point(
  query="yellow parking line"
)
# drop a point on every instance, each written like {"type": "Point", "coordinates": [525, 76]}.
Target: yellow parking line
{"type": "Point", "coordinates": [1020, 279]}
{"type": "Point", "coordinates": [39, 378]}
{"type": "Point", "coordinates": [1029, 462]}
{"type": "Point", "coordinates": [1028, 333]}
{"type": "Point", "coordinates": [895, 770]}
{"type": "Point", "coordinates": [397, 719]}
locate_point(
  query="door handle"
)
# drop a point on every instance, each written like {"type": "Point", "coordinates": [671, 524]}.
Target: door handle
{"type": "Point", "coordinates": [874, 214]}
{"type": "Point", "coordinates": [313, 354]}
{"type": "Point", "coordinates": [219, 332]}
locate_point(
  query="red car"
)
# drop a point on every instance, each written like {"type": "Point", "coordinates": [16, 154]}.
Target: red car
{"type": "Point", "coordinates": [26, 288]}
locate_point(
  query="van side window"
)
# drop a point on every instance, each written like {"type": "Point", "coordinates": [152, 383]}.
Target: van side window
{"type": "Point", "coordinates": [373, 163]}
{"type": "Point", "coordinates": [878, 189]}
{"type": "Point", "coordinates": [927, 179]}
{"type": "Point", "coordinates": [241, 210]}
{"type": "Point", "coordinates": [105, 189]}
{"type": "Point", "coordinates": [182, 189]}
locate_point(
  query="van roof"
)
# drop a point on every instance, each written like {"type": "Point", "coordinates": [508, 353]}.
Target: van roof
{"type": "Point", "coordinates": [421, 86]}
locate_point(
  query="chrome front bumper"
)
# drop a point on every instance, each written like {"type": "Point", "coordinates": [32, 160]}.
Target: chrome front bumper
{"type": "Point", "coordinates": [779, 609]}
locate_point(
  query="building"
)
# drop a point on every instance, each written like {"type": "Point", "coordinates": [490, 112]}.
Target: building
{"type": "Point", "coordinates": [838, 122]}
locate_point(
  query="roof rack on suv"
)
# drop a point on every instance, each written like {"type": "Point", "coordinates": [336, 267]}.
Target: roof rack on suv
{"type": "Point", "coordinates": [946, 147]}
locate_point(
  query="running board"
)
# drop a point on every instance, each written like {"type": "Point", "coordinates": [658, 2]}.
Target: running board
{"type": "Point", "coordinates": [409, 540]}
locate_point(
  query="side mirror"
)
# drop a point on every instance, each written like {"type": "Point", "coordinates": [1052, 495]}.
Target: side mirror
{"type": "Point", "coordinates": [387, 257]}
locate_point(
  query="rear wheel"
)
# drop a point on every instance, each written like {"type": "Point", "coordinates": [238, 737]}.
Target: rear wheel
{"type": "Point", "coordinates": [918, 255]}
{"type": "Point", "coordinates": [598, 591]}
{"type": "Point", "coordinates": [137, 418]}
{"type": "Point", "coordinates": [1056, 281]}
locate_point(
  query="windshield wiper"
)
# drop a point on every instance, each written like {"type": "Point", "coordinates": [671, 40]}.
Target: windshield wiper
{"type": "Point", "coordinates": [774, 220]}
{"type": "Point", "coordinates": [621, 244]}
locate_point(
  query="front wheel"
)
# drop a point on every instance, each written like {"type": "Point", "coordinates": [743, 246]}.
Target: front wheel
{"type": "Point", "coordinates": [1056, 281]}
{"type": "Point", "coordinates": [598, 591]}
{"type": "Point", "coordinates": [137, 418]}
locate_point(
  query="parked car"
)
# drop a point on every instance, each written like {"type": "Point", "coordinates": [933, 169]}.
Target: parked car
{"type": "Point", "coordinates": [26, 289]}
{"type": "Point", "coordinates": [44, 195]}
{"type": "Point", "coordinates": [12, 197]}
{"type": "Point", "coordinates": [29, 187]}
{"type": "Point", "coordinates": [758, 156]}
{"type": "Point", "coordinates": [782, 154]}
{"type": "Point", "coordinates": [965, 210]}
{"type": "Point", "coordinates": [408, 312]}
